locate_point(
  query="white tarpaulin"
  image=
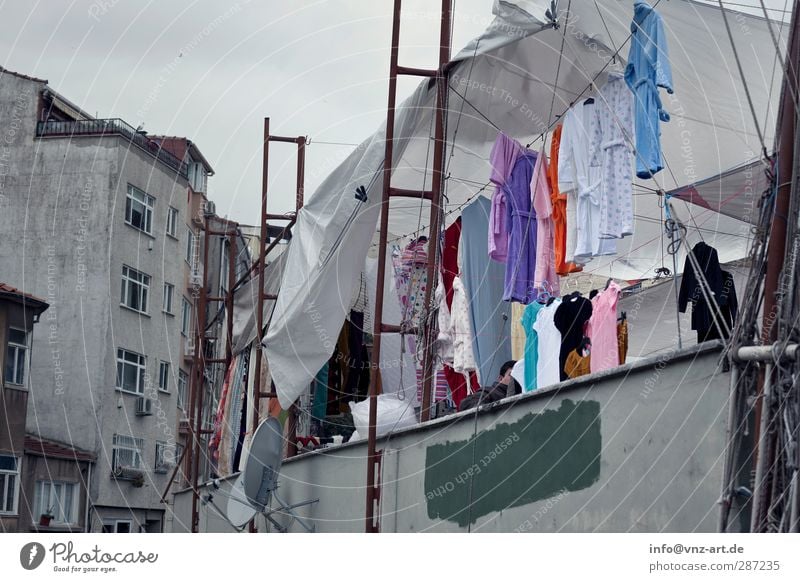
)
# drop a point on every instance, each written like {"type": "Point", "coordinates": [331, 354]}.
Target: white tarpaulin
{"type": "Point", "coordinates": [520, 76]}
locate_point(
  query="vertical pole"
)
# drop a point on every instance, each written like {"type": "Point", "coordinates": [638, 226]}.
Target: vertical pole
{"type": "Point", "coordinates": [301, 168]}
{"type": "Point", "coordinates": [229, 298]}
{"type": "Point", "coordinates": [429, 334]}
{"type": "Point", "coordinates": [199, 376]}
{"type": "Point", "coordinates": [776, 249]}
{"type": "Point", "coordinates": [370, 523]}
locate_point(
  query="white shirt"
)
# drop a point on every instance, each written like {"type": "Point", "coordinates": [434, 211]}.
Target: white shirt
{"type": "Point", "coordinates": [463, 356]}
{"type": "Point", "coordinates": [549, 346]}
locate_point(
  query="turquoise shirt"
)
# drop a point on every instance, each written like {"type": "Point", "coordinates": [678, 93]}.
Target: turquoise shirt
{"type": "Point", "coordinates": [531, 344]}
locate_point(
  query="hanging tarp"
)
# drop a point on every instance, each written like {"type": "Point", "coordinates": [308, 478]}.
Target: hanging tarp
{"type": "Point", "coordinates": [520, 76]}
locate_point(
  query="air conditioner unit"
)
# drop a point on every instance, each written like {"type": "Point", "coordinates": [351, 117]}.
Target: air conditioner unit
{"type": "Point", "coordinates": [183, 425]}
{"type": "Point", "coordinates": [144, 406]}
{"type": "Point", "coordinates": [196, 278]}
{"type": "Point", "coordinates": [127, 474]}
{"type": "Point", "coordinates": [210, 208]}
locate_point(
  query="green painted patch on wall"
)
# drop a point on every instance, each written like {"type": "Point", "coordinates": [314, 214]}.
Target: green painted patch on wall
{"type": "Point", "coordinates": [515, 464]}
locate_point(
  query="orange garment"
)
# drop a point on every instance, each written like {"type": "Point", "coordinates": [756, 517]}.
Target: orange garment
{"type": "Point", "coordinates": [577, 365]}
{"type": "Point", "coordinates": [622, 340]}
{"type": "Point", "coordinates": [559, 209]}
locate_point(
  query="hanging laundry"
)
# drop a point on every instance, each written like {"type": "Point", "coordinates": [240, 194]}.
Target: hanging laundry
{"type": "Point", "coordinates": [531, 358]}
{"type": "Point", "coordinates": [413, 281]}
{"type": "Point", "coordinates": [452, 237]}
{"type": "Point", "coordinates": [463, 356]}
{"type": "Point", "coordinates": [503, 158]}
{"type": "Point", "coordinates": [559, 203]}
{"type": "Point", "coordinates": [614, 155]}
{"type": "Point", "coordinates": [622, 339]}
{"type": "Point", "coordinates": [648, 69]}
{"type": "Point", "coordinates": [517, 331]}
{"type": "Point", "coordinates": [545, 273]}
{"type": "Point", "coordinates": [602, 329]}
{"type": "Point", "coordinates": [690, 291]}
{"type": "Point", "coordinates": [458, 384]}
{"type": "Point", "coordinates": [578, 364]}
{"type": "Point", "coordinates": [729, 305]}
{"type": "Point", "coordinates": [521, 225]}
{"type": "Point", "coordinates": [570, 318]}
{"type": "Point", "coordinates": [549, 344]}
{"type": "Point", "coordinates": [483, 282]}
{"type": "Point", "coordinates": [444, 340]}
{"type": "Point", "coordinates": [580, 181]}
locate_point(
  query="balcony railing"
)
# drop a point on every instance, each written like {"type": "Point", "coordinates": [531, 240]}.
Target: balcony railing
{"type": "Point", "coordinates": [103, 127]}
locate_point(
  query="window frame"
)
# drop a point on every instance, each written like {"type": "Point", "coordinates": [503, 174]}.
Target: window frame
{"type": "Point", "coordinates": [6, 473]}
{"type": "Point", "coordinates": [128, 280]}
{"type": "Point", "coordinates": [136, 448]}
{"type": "Point", "coordinates": [167, 299]}
{"type": "Point", "coordinates": [182, 389]}
{"type": "Point", "coordinates": [186, 316]}
{"type": "Point", "coordinates": [162, 447]}
{"type": "Point", "coordinates": [16, 346]}
{"type": "Point", "coordinates": [39, 507]}
{"type": "Point", "coordinates": [147, 202]}
{"type": "Point", "coordinates": [141, 371]}
{"type": "Point", "coordinates": [172, 222]}
{"type": "Point", "coordinates": [163, 374]}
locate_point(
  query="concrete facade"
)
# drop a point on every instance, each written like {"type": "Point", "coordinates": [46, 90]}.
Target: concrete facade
{"type": "Point", "coordinates": [63, 209]}
{"type": "Point", "coordinates": [638, 448]}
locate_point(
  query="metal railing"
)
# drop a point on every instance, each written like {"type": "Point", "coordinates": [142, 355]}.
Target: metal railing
{"type": "Point", "coordinates": [103, 127]}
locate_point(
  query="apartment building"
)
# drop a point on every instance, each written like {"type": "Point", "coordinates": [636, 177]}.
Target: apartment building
{"type": "Point", "coordinates": [101, 222]}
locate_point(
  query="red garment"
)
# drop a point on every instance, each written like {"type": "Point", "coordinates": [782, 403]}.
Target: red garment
{"type": "Point", "coordinates": [452, 236]}
{"type": "Point", "coordinates": [458, 384]}
{"type": "Point", "coordinates": [559, 209]}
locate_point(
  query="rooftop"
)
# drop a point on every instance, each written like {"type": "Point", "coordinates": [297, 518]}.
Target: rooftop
{"type": "Point", "coordinates": [26, 299]}
{"type": "Point", "coordinates": [36, 445]}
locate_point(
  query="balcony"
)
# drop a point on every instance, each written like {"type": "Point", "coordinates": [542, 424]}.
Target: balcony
{"type": "Point", "coordinates": [108, 127]}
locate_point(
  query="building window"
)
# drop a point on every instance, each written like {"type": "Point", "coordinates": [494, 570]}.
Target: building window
{"type": "Point", "coordinates": [186, 317]}
{"type": "Point", "coordinates": [130, 371]}
{"type": "Point", "coordinates": [197, 177]}
{"type": "Point", "coordinates": [127, 452]}
{"type": "Point", "coordinates": [172, 222]}
{"type": "Point", "coordinates": [118, 526]}
{"type": "Point", "coordinates": [135, 289]}
{"type": "Point", "coordinates": [16, 356]}
{"type": "Point", "coordinates": [165, 457]}
{"type": "Point", "coordinates": [139, 210]}
{"type": "Point", "coordinates": [163, 376]}
{"type": "Point", "coordinates": [169, 293]}
{"type": "Point", "coordinates": [183, 380]}
{"type": "Point", "coordinates": [9, 484]}
{"type": "Point", "coordinates": [56, 498]}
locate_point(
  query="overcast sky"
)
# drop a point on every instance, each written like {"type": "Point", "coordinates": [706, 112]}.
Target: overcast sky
{"type": "Point", "coordinates": [211, 71]}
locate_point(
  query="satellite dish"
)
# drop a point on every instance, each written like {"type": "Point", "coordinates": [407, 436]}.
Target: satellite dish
{"type": "Point", "coordinates": [263, 463]}
{"type": "Point", "coordinates": [239, 512]}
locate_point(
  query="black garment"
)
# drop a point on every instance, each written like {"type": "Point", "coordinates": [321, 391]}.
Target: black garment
{"type": "Point", "coordinates": [570, 319]}
{"type": "Point", "coordinates": [496, 392]}
{"type": "Point", "coordinates": [729, 306]}
{"type": "Point", "coordinates": [707, 259]}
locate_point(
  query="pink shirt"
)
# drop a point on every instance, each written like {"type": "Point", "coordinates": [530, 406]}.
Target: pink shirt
{"type": "Point", "coordinates": [602, 329]}
{"type": "Point", "coordinates": [545, 275]}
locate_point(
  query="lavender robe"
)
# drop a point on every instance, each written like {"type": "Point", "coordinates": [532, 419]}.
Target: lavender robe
{"type": "Point", "coordinates": [503, 157]}
{"type": "Point", "coordinates": [521, 227]}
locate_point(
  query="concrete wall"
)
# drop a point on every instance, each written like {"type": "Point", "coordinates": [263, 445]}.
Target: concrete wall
{"type": "Point", "coordinates": [63, 213]}
{"type": "Point", "coordinates": [638, 448]}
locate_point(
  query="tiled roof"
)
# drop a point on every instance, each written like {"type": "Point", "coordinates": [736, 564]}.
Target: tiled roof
{"type": "Point", "coordinates": [36, 445]}
{"type": "Point", "coordinates": [21, 295]}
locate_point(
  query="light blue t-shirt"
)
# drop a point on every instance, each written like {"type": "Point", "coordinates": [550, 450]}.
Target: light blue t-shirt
{"type": "Point", "coordinates": [531, 344]}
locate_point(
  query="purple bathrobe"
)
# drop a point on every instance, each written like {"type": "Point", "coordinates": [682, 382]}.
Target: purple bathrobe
{"type": "Point", "coordinates": [521, 227]}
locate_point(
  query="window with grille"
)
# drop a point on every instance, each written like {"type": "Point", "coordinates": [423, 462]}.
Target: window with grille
{"type": "Point", "coordinates": [130, 371]}
{"type": "Point", "coordinates": [135, 289]}
{"type": "Point", "coordinates": [127, 452]}
{"type": "Point", "coordinates": [172, 222]}
{"type": "Point", "coordinates": [56, 498]}
{"type": "Point", "coordinates": [165, 457]}
{"type": "Point", "coordinates": [9, 484]}
{"type": "Point", "coordinates": [139, 209]}
{"type": "Point", "coordinates": [16, 356]}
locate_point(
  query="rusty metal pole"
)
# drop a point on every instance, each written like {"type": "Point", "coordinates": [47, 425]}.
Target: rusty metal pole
{"type": "Point", "coordinates": [370, 523]}
{"type": "Point", "coordinates": [229, 298]}
{"type": "Point", "coordinates": [776, 250]}
{"type": "Point", "coordinates": [429, 335]}
{"type": "Point", "coordinates": [301, 170]}
{"type": "Point", "coordinates": [199, 375]}
{"type": "Point", "coordinates": [260, 268]}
